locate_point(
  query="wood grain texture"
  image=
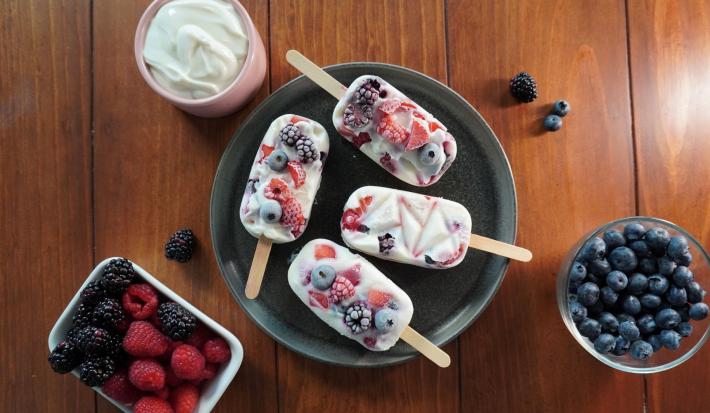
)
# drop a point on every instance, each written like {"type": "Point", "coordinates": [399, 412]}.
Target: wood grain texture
{"type": "Point", "coordinates": [670, 57]}
{"type": "Point", "coordinates": [519, 357]}
{"type": "Point", "coordinates": [336, 32]}
{"type": "Point", "coordinates": [45, 194]}
{"type": "Point", "coordinates": [154, 167]}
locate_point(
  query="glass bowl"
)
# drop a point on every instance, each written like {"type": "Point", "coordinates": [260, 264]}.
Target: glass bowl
{"type": "Point", "coordinates": [664, 359]}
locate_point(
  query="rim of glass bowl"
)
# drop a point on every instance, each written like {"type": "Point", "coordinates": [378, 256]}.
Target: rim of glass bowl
{"type": "Point", "coordinates": [563, 305]}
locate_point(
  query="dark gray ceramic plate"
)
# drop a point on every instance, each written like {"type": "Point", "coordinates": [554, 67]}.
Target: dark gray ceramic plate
{"type": "Point", "coordinates": [445, 302]}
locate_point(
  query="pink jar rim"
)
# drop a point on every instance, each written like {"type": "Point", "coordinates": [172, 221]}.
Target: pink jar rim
{"type": "Point", "coordinates": [139, 42]}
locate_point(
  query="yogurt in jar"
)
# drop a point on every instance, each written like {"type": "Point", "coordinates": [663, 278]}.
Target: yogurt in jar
{"type": "Point", "coordinates": [196, 48]}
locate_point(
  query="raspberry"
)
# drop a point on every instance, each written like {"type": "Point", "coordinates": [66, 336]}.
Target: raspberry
{"type": "Point", "coordinates": [118, 275]}
{"type": "Point", "coordinates": [152, 404]}
{"type": "Point", "coordinates": [140, 301]}
{"type": "Point", "coordinates": [341, 289]}
{"type": "Point", "coordinates": [292, 216]}
{"type": "Point", "coordinates": [147, 375]}
{"type": "Point", "coordinates": [351, 219]}
{"type": "Point", "coordinates": [163, 393]}
{"type": "Point", "coordinates": [392, 131]}
{"type": "Point", "coordinates": [144, 340]}
{"type": "Point", "coordinates": [295, 169]}
{"type": "Point", "coordinates": [277, 189]}
{"type": "Point", "coordinates": [64, 358]}
{"type": "Point", "coordinates": [290, 134]}
{"type": "Point", "coordinates": [179, 246]}
{"type": "Point", "coordinates": [187, 362]}
{"type": "Point", "coordinates": [119, 388]}
{"type": "Point", "coordinates": [216, 350]}
{"type": "Point", "coordinates": [198, 338]}
{"type": "Point", "coordinates": [175, 321]}
{"type": "Point", "coordinates": [108, 313]}
{"type": "Point", "coordinates": [184, 398]}
{"type": "Point", "coordinates": [94, 371]}
{"type": "Point", "coordinates": [418, 137]}
{"type": "Point", "coordinates": [170, 378]}
{"type": "Point", "coordinates": [356, 116]}
{"type": "Point", "coordinates": [378, 298]}
{"type": "Point", "coordinates": [324, 251]}
{"type": "Point", "coordinates": [361, 139]}
{"type": "Point", "coordinates": [209, 371]}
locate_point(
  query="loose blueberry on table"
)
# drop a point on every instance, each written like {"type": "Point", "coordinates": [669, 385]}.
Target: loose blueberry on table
{"type": "Point", "coordinates": [632, 291]}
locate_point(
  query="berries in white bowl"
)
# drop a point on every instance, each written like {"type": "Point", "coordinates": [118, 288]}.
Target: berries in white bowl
{"type": "Point", "coordinates": [632, 294]}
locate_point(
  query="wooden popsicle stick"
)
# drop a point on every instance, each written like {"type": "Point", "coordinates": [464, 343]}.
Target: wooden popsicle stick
{"type": "Point", "coordinates": [258, 266]}
{"type": "Point", "coordinates": [499, 248]}
{"type": "Point", "coordinates": [316, 74]}
{"type": "Point", "coordinates": [426, 347]}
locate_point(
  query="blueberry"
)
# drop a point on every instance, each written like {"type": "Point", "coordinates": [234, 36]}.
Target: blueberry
{"type": "Point", "coordinates": [683, 312]}
{"type": "Point", "coordinates": [561, 108]}
{"type": "Point", "coordinates": [608, 322]}
{"type": "Point", "coordinates": [604, 343]}
{"type": "Point", "coordinates": [666, 266]}
{"type": "Point", "coordinates": [650, 301]}
{"type": "Point", "coordinates": [594, 249]}
{"type": "Point", "coordinates": [322, 277]}
{"type": "Point", "coordinates": [429, 153]}
{"type": "Point", "coordinates": [594, 278]}
{"type": "Point", "coordinates": [599, 267]}
{"type": "Point", "coordinates": [277, 160]}
{"type": "Point", "coordinates": [629, 331]}
{"type": "Point", "coordinates": [640, 248]}
{"type": "Point", "coordinates": [648, 265]}
{"type": "Point", "coordinates": [677, 246]}
{"type": "Point", "coordinates": [625, 317]}
{"type": "Point", "coordinates": [608, 296]}
{"type": "Point", "coordinates": [682, 276]}
{"type": "Point", "coordinates": [623, 259]}
{"type": "Point", "coordinates": [676, 296]}
{"type": "Point", "coordinates": [573, 286]}
{"type": "Point", "coordinates": [695, 292]}
{"type": "Point", "coordinates": [685, 329]}
{"type": "Point", "coordinates": [385, 319]}
{"type": "Point", "coordinates": [552, 122]}
{"type": "Point", "coordinates": [631, 304]}
{"type": "Point", "coordinates": [613, 239]}
{"type": "Point", "coordinates": [641, 350]}
{"type": "Point", "coordinates": [270, 211]}
{"type": "Point", "coordinates": [617, 280]}
{"type": "Point", "coordinates": [579, 271]}
{"type": "Point", "coordinates": [698, 311]}
{"type": "Point", "coordinates": [637, 283]}
{"type": "Point", "coordinates": [596, 308]}
{"type": "Point", "coordinates": [657, 239]}
{"type": "Point", "coordinates": [667, 318]}
{"type": "Point", "coordinates": [621, 346]}
{"type": "Point", "coordinates": [646, 324]}
{"type": "Point", "coordinates": [657, 284]}
{"type": "Point", "coordinates": [670, 339]}
{"type": "Point", "coordinates": [684, 259]}
{"type": "Point", "coordinates": [634, 231]}
{"type": "Point", "coordinates": [655, 341]}
{"type": "Point", "coordinates": [588, 293]}
{"type": "Point", "coordinates": [589, 328]}
{"type": "Point", "coordinates": [577, 311]}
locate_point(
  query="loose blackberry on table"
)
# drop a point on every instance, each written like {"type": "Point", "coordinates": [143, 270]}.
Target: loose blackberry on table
{"type": "Point", "coordinates": [179, 246]}
{"type": "Point", "coordinates": [523, 87]}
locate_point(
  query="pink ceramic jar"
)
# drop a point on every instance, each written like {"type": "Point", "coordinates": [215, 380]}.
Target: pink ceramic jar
{"type": "Point", "coordinates": [234, 96]}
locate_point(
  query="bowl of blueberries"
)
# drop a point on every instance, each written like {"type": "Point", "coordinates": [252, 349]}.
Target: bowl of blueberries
{"type": "Point", "coordinates": [632, 293]}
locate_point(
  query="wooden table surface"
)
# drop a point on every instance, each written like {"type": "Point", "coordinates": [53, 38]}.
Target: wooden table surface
{"type": "Point", "coordinates": [94, 164]}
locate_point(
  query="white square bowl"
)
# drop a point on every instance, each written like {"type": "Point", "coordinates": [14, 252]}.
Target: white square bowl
{"type": "Point", "coordinates": [213, 390]}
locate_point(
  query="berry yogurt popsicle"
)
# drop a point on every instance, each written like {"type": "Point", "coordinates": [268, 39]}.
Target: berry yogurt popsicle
{"type": "Point", "coordinates": [350, 294]}
{"type": "Point", "coordinates": [394, 131]}
{"type": "Point", "coordinates": [406, 227]}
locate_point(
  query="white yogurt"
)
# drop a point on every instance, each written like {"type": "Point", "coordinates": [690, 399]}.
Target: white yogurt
{"type": "Point", "coordinates": [196, 48]}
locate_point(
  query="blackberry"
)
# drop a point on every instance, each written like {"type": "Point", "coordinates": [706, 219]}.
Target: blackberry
{"type": "Point", "coordinates": [386, 243]}
{"type": "Point", "coordinates": [118, 275]}
{"type": "Point", "coordinates": [175, 321]}
{"type": "Point", "coordinates": [72, 334]}
{"type": "Point", "coordinates": [95, 341]}
{"type": "Point", "coordinates": [306, 150]}
{"type": "Point", "coordinates": [290, 134]}
{"type": "Point", "coordinates": [64, 358]}
{"type": "Point", "coordinates": [358, 317]}
{"type": "Point", "coordinates": [108, 313]}
{"type": "Point", "coordinates": [523, 87]}
{"type": "Point", "coordinates": [179, 246]}
{"type": "Point", "coordinates": [357, 116]}
{"type": "Point", "coordinates": [368, 92]}
{"type": "Point", "coordinates": [82, 316]}
{"type": "Point", "coordinates": [94, 371]}
{"type": "Point", "coordinates": [92, 293]}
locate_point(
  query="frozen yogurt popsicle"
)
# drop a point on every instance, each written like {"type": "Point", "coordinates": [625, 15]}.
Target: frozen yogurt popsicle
{"type": "Point", "coordinates": [415, 229]}
{"type": "Point", "coordinates": [282, 184]}
{"type": "Point", "coordinates": [284, 179]}
{"type": "Point", "coordinates": [394, 131]}
{"type": "Point", "coordinates": [406, 227]}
